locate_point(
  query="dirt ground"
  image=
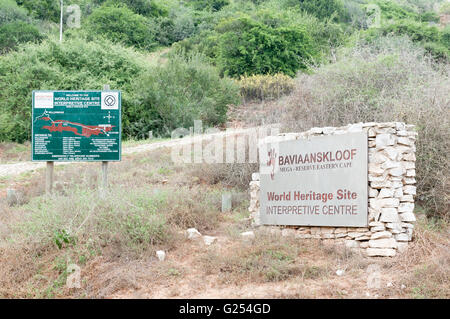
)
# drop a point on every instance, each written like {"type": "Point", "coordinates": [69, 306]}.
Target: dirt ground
{"type": "Point", "coordinates": [270, 266]}
{"type": "Point", "coordinates": [367, 278]}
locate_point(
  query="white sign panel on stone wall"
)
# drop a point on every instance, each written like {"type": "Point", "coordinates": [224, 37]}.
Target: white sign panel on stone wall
{"type": "Point", "coordinates": [319, 181]}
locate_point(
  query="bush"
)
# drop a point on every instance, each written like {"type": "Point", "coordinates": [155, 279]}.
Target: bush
{"type": "Point", "coordinates": [164, 31]}
{"type": "Point", "coordinates": [120, 24]}
{"type": "Point", "coordinates": [176, 94]}
{"type": "Point", "coordinates": [389, 80]}
{"type": "Point", "coordinates": [324, 9]}
{"type": "Point", "coordinates": [430, 37]}
{"type": "Point", "coordinates": [323, 36]}
{"type": "Point", "coordinates": [83, 219]}
{"type": "Point", "coordinates": [415, 30]}
{"type": "Point", "coordinates": [326, 34]}
{"type": "Point", "coordinates": [391, 10]}
{"type": "Point", "coordinates": [439, 52]}
{"type": "Point", "coordinates": [355, 13]}
{"type": "Point", "coordinates": [265, 87]}
{"type": "Point", "coordinates": [429, 16]}
{"type": "Point", "coordinates": [42, 9]}
{"type": "Point", "coordinates": [10, 12]}
{"type": "Point", "coordinates": [445, 37]}
{"type": "Point", "coordinates": [147, 8]}
{"type": "Point", "coordinates": [76, 65]}
{"type": "Point", "coordinates": [195, 208]}
{"type": "Point", "coordinates": [246, 47]}
{"type": "Point", "coordinates": [237, 175]}
{"type": "Point", "coordinates": [445, 8]}
{"type": "Point", "coordinates": [178, 25]}
{"type": "Point", "coordinates": [211, 5]}
{"type": "Point", "coordinates": [14, 33]}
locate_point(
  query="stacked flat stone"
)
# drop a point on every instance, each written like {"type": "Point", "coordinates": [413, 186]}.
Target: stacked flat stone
{"type": "Point", "coordinates": [391, 190]}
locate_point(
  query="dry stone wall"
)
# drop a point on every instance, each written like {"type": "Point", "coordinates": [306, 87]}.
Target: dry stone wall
{"type": "Point", "coordinates": [391, 190]}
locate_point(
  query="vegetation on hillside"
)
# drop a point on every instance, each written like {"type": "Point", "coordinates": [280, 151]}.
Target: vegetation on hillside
{"type": "Point", "coordinates": [391, 79]}
{"type": "Point", "coordinates": [316, 63]}
{"type": "Point", "coordinates": [220, 49]}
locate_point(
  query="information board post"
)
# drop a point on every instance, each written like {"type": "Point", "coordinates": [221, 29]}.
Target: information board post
{"type": "Point", "coordinates": [49, 178]}
{"type": "Point", "coordinates": [106, 87]}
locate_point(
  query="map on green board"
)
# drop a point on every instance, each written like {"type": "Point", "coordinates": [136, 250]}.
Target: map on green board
{"type": "Point", "coordinates": [76, 126]}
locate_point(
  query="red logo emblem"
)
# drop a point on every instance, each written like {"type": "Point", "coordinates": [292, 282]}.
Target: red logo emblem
{"type": "Point", "coordinates": [271, 161]}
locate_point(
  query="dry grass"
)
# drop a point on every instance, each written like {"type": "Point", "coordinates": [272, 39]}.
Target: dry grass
{"type": "Point", "coordinates": [123, 277]}
{"type": "Point", "coordinates": [385, 82]}
{"type": "Point", "coordinates": [194, 207]}
{"type": "Point", "coordinates": [113, 239]}
{"type": "Point", "coordinates": [230, 175]}
{"type": "Point", "coordinates": [265, 87]}
{"type": "Point", "coordinates": [14, 152]}
{"type": "Point", "coordinates": [142, 212]}
{"type": "Point", "coordinates": [270, 258]}
{"type": "Point", "coordinates": [253, 114]}
{"type": "Point", "coordinates": [263, 262]}
{"type": "Point", "coordinates": [229, 172]}
{"type": "Point", "coordinates": [390, 80]}
{"type": "Point", "coordinates": [425, 267]}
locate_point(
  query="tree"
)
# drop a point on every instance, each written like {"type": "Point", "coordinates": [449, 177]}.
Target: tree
{"type": "Point", "coordinates": [119, 24]}
{"type": "Point", "coordinates": [248, 47]}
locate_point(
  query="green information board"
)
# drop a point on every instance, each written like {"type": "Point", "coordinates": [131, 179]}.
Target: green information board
{"type": "Point", "coordinates": [76, 126]}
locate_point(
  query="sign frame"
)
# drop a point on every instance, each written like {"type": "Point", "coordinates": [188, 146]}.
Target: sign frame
{"type": "Point", "coordinates": [119, 94]}
{"type": "Point", "coordinates": [280, 179]}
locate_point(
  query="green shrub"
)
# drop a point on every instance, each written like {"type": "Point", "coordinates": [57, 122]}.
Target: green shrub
{"type": "Point", "coordinates": [246, 47]}
{"type": "Point", "coordinates": [10, 12]}
{"type": "Point", "coordinates": [147, 8]}
{"type": "Point", "coordinates": [445, 37]}
{"type": "Point", "coordinates": [83, 219]}
{"type": "Point", "coordinates": [422, 6]}
{"type": "Point", "coordinates": [211, 5]}
{"type": "Point", "coordinates": [204, 42]}
{"type": "Point", "coordinates": [75, 65]}
{"type": "Point", "coordinates": [14, 33]}
{"type": "Point", "coordinates": [430, 37]}
{"type": "Point", "coordinates": [415, 30]}
{"type": "Point", "coordinates": [178, 25]}
{"type": "Point", "coordinates": [438, 51]}
{"type": "Point", "coordinates": [355, 14]}
{"type": "Point", "coordinates": [176, 94]}
{"type": "Point", "coordinates": [323, 9]}
{"type": "Point", "coordinates": [445, 8]}
{"type": "Point", "coordinates": [265, 87]}
{"type": "Point", "coordinates": [164, 30]}
{"type": "Point", "coordinates": [42, 9]}
{"type": "Point", "coordinates": [323, 36]}
{"type": "Point", "coordinates": [326, 34]}
{"type": "Point", "coordinates": [391, 10]}
{"type": "Point", "coordinates": [429, 16]}
{"type": "Point", "coordinates": [120, 24]}
{"type": "Point", "coordinates": [183, 25]}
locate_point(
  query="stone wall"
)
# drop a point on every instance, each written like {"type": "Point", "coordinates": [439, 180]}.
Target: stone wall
{"type": "Point", "coordinates": [391, 190]}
